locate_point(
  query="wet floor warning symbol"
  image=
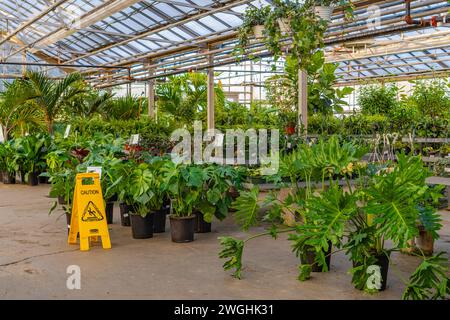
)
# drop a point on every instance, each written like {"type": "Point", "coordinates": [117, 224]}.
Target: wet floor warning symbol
{"type": "Point", "coordinates": [88, 213]}
{"type": "Point", "coordinates": [91, 213]}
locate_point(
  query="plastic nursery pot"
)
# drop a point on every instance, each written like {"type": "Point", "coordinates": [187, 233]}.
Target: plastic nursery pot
{"type": "Point", "coordinates": [309, 257]}
{"type": "Point", "coordinates": [201, 226]}
{"type": "Point", "coordinates": [109, 210]}
{"type": "Point", "coordinates": [159, 221]}
{"type": "Point", "coordinates": [114, 198]}
{"type": "Point", "coordinates": [33, 179]}
{"type": "Point", "coordinates": [182, 228]}
{"type": "Point", "coordinates": [141, 227]}
{"type": "Point", "coordinates": [124, 215]}
{"type": "Point", "coordinates": [9, 178]}
{"type": "Point", "coordinates": [61, 200]}
{"type": "Point", "coordinates": [167, 205]}
{"type": "Point", "coordinates": [383, 263]}
{"type": "Point", "coordinates": [43, 180]}
{"type": "Point", "coordinates": [424, 242]}
{"type": "Point", "coordinates": [68, 219]}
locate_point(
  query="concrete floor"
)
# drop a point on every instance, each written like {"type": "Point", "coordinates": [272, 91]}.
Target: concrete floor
{"type": "Point", "coordinates": [34, 256]}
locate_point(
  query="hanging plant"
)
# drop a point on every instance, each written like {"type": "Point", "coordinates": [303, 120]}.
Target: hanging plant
{"type": "Point", "coordinates": [324, 8]}
{"type": "Point", "coordinates": [253, 24]}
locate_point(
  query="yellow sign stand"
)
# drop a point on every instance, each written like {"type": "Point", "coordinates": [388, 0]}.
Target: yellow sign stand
{"type": "Point", "coordinates": [88, 212]}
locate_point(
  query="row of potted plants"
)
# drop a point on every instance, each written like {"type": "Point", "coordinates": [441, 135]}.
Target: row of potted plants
{"type": "Point", "coordinates": [23, 157]}
{"type": "Point", "coordinates": [148, 187]}
{"type": "Point", "coordinates": [384, 209]}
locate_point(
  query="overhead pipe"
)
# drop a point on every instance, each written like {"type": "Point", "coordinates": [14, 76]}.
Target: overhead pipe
{"type": "Point", "coordinates": [38, 64]}
{"type": "Point", "coordinates": [431, 22]}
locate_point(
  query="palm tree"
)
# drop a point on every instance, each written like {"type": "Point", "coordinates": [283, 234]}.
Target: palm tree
{"type": "Point", "coordinates": [126, 108]}
{"type": "Point", "coordinates": [16, 108]}
{"type": "Point", "coordinates": [90, 103]}
{"type": "Point", "coordinates": [185, 97]}
{"type": "Point", "coordinates": [52, 94]}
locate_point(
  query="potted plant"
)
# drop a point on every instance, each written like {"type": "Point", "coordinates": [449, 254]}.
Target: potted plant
{"type": "Point", "coordinates": [390, 212]}
{"type": "Point", "coordinates": [215, 199]}
{"type": "Point", "coordinates": [63, 188]}
{"type": "Point", "coordinates": [30, 150]}
{"type": "Point", "coordinates": [254, 19]}
{"type": "Point", "coordinates": [138, 193]}
{"type": "Point", "coordinates": [183, 184]}
{"type": "Point", "coordinates": [324, 9]}
{"type": "Point", "coordinates": [315, 221]}
{"type": "Point", "coordinates": [159, 204]}
{"type": "Point", "coordinates": [10, 165]}
{"type": "Point", "coordinates": [115, 184]}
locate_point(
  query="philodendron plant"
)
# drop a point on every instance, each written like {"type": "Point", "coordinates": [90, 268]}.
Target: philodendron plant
{"type": "Point", "coordinates": [369, 218]}
{"type": "Point", "coordinates": [215, 200]}
{"type": "Point", "coordinates": [184, 185]}
{"type": "Point", "coordinates": [139, 188]}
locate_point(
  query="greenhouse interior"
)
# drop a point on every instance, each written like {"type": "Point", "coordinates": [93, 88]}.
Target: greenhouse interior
{"type": "Point", "coordinates": [225, 150]}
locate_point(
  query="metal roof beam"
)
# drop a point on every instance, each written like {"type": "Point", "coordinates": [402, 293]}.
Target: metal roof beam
{"type": "Point", "coordinates": [167, 26]}
{"type": "Point", "coordinates": [102, 12]}
{"type": "Point", "coordinates": [29, 22]}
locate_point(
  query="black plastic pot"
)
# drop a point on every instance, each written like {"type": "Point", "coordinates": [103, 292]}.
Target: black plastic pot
{"type": "Point", "coordinates": [109, 211]}
{"type": "Point", "coordinates": [68, 219]}
{"type": "Point", "coordinates": [142, 227]}
{"type": "Point", "coordinates": [33, 179]}
{"type": "Point", "coordinates": [166, 206]}
{"type": "Point", "coordinates": [124, 215]}
{"type": "Point", "coordinates": [201, 226]}
{"type": "Point", "coordinates": [114, 198]}
{"type": "Point", "coordinates": [309, 256]}
{"type": "Point", "coordinates": [9, 178]}
{"type": "Point", "coordinates": [159, 221]}
{"type": "Point", "coordinates": [383, 263]}
{"type": "Point", "coordinates": [61, 200]}
{"type": "Point", "coordinates": [43, 180]}
{"type": "Point", "coordinates": [182, 228]}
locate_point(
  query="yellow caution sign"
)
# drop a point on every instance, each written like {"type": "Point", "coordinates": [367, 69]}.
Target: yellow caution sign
{"type": "Point", "coordinates": [88, 212]}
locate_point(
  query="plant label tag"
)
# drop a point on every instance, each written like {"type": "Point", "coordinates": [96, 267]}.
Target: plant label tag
{"type": "Point", "coordinates": [2, 138]}
{"type": "Point", "coordinates": [447, 170]}
{"type": "Point", "coordinates": [95, 170]}
{"type": "Point", "coordinates": [67, 132]}
{"type": "Point", "coordinates": [134, 139]}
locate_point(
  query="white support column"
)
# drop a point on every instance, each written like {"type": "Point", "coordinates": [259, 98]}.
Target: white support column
{"type": "Point", "coordinates": [151, 93]}
{"type": "Point", "coordinates": [24, 61]}
{"type": "Point", "coordinates": [210, 94]}
{"type": "Point", "coordinates": [302, 102]}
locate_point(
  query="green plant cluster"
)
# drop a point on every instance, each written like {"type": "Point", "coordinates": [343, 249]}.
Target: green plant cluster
{"type": "Point", "coordinates": [360, 124]}
{"type": "Point", "coordinates": [377, 213]}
